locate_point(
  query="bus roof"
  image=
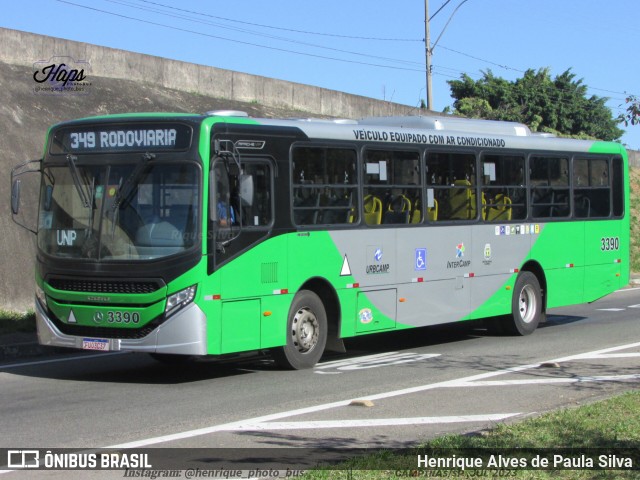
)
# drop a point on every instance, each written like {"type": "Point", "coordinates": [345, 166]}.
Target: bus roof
{"type": "Point", "coordinates": [431, 129]}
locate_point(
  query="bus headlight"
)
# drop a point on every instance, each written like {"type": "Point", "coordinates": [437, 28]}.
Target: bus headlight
{"type": "Point", "coordinates": [40, 295]}
{"type": "Point", "coordinates": [179, 300]}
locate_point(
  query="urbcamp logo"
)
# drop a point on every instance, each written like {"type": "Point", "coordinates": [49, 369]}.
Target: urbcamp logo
{"type": "Point", "coordinates": [60, 75]}
{"type": "Point", "coordinates": [377, 266]}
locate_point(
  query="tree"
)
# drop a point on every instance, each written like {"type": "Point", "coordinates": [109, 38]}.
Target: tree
{"type": "Point", "coordinates": [632, 116]}
{"type": "Point", "coordinates": [555, 105]}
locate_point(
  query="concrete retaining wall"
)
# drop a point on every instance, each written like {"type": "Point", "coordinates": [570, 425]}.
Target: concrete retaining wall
{"type": "Point", "coordinates": [22, 48]}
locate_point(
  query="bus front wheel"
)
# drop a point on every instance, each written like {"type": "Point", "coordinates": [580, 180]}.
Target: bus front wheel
{"type": "Point", "coordinates": [306, 333]}
{"type": "Point", "coordinates": [526, 305]}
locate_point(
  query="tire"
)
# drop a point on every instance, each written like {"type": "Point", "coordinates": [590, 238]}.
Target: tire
{"type": "Point", "coordinates": [306, 333]}
{"type": "Point", "coordinates": [526, 306]}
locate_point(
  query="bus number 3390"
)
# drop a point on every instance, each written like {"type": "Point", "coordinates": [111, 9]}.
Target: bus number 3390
{"type": "Point", "coordinates": [609, 243]}
{"type": "Point", "coordinates": [123, 317]}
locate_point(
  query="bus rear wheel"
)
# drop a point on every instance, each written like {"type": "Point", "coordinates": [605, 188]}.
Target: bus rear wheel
{"type": "Point", "coordinates": [306, 333]}
{"type": "Point", "coordinates": [526, 305]}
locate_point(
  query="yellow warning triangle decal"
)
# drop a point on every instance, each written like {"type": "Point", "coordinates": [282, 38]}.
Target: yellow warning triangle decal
{"type": "Point", "coordinates": [346, 270]}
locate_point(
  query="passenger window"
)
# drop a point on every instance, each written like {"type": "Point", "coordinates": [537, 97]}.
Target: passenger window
{"type": "Point", "coordinates": [503, 188]}
{"type": "Point", "coordinates": [392, 192]}
{"type": "Point", "coordinates": [451, 186]}
{"type": "Point", "coordinates": [325, 186]}
{"type": "Point", "coordinates": [549, 177]}
{"type": "Point", "coordinates": [591, 188]}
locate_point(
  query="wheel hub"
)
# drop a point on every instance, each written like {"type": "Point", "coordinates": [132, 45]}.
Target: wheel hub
{"type": "Point", "coordinates": [305, 330]}
{"type": "Point", "coordinates": [527, 304]}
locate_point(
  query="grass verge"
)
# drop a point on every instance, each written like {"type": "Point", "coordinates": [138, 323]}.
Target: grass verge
{"type": "Point", "coordinates": [608, 424]}
{"type": "Point", "coordinates": [12, 322]}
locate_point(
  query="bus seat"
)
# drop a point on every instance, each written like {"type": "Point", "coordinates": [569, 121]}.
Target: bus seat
{"type": "Point", "coordinates": [501, 208]}
{"type": "Point", "coordinates": [372, 210]}
{"type": "Point", "coordinates": [462, 201]}
{"type": "Point", "coordinates": [398, 210]}
{"type": "Point", "coordinates": [340, 210]}
{"type": "Point", "coordinates": [432, 212]}
{"type": "Point", "coordinates": [416, 213]}
{"type": "Point", "coordinates": [304, 199]}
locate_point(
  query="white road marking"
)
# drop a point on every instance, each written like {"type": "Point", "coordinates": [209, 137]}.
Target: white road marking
{"type": "Point", "coordinates": [617, 355]}
{"type": "Point", "coordinates": [374, 361]}
{"type": "Point", "coordinates": [365, 358]}
{"type": "Point", "coordinates": [549, 381]}
{"type": "Point", "coordinates": [630, 289]}
{"type": "Point", "coordinates": [610, 309]}
{"type": "Point", "coordinates": [374, 422]}
{"type": "Point", "coordinates": [342, 403]}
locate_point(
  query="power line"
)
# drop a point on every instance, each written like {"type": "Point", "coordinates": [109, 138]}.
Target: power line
{"type": "Point", "coordinates": [218, 37]}
{"type": "Point", "coordinates": [273, 37]}
{"type": "Point", "coordinates": [506, 67]}
{"type": "Point", "coordinates": [405, 62]}
{"type": "Point", "coordinates": [306, 32]}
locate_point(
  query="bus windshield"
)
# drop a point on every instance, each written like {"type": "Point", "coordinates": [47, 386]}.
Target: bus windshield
{"type": "Point", "coordinates": [118, 212]}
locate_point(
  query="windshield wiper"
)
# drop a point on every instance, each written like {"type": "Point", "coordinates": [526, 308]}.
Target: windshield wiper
{"type": "Point", "coordinates": [84, 196]}
{"type": "Point", "coordinates": [132, 180]}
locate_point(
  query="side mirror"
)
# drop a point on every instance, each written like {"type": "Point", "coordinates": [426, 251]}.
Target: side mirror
{"type": "Point", "coordinates": [32, 166]}
{"type": "Point", "coordinates": [48, 195]}
{"type": "Point", "coordinates": [15, 196]}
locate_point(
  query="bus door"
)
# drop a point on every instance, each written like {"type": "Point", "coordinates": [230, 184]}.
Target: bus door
{"type": "Point", "coordinates": [245, 270]}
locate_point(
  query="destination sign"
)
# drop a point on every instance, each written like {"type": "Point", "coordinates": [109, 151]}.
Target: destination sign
{"type": "Point", "coordinates": [122, 138]}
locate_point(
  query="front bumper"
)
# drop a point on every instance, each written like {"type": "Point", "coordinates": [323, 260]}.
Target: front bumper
{"type": "Point", "coordinates": [185, 333]}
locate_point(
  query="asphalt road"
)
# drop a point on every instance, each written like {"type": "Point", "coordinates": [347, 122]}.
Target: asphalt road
{"type": "Point", "coordinates": [392, 390]}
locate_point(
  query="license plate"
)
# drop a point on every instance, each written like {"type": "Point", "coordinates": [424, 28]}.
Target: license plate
{"type": "Point", "coordinates": [100, 344]}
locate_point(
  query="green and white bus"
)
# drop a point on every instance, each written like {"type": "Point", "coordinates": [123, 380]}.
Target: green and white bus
{"type": "Point", "coordinates": [215, 234]}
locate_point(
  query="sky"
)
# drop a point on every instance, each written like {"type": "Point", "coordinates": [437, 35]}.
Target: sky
{"type": "Point", "coordinates": [372, 48]}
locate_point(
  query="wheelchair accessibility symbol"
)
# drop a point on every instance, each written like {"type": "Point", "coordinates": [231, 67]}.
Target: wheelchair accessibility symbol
{"type": "Point", "coordinates": [421, 259]}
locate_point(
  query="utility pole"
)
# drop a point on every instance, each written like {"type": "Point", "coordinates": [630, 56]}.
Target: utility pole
{"type": "Point", "coordinates": [427, 43]}
{"type": "Point", "coordinates": [428, 52]}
